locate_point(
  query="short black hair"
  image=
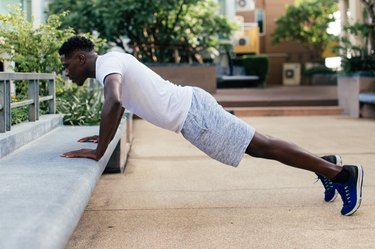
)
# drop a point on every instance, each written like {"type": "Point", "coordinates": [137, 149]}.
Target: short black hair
{"type": "Point", "coordinates": [75, 43]}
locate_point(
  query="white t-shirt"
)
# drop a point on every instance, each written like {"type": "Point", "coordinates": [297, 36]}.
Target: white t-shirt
{"type": "Point", "coordinates": [145, 93]}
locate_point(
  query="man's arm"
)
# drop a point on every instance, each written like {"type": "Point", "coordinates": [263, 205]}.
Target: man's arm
{"type": "Point", "coordinates": [95, 138]}
{"type": "Point", "coordinates": [111, 113]}
{"type": "Point", "coordinates": [110, 119]}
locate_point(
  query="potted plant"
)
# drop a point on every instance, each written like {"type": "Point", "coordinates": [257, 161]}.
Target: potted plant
{"type": "Point", "coordinates": [358, 61]}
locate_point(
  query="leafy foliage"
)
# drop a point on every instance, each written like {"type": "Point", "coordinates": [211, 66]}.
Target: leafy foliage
{"type": "Point", "coordinates": [306, 22]}
{"type": "Point", "coordinates": [36, 50]}
{"type": "Point", "coordinates": [32, 49]}
{"type": "Point", "coordinates": [19, 114]}
{"type": "Point", "coordinates": [359, 56]}
{"type": "Point", "coordinates": [159, 31]}
{"type": "Point", "coordinates": [80, 105]}
{"type": "Point", "coordinates": [356, 57]}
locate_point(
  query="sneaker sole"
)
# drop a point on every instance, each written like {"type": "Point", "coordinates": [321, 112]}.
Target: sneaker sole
{"type": "Point", "coordinates": [333, 197]}
{"type": "Point", "coordinates": [359, 190]}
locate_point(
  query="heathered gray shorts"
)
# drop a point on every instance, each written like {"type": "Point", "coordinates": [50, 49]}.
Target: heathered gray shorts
{"type": "Point", "coordinates": [216, 132]}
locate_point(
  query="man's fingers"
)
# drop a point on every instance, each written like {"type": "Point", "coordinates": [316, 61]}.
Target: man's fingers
{"type": "Point", "coordinates": [82, 153]}
{"type": "Point", "coordinates": [66, 155]}
{"type": "Point", "coordinates": [93, 139]}
{"type": "Point", "coordinates": [85, 139]}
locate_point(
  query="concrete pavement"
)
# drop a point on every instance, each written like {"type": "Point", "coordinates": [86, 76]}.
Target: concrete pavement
{"type": "Point", "coordinates": [173, 196]}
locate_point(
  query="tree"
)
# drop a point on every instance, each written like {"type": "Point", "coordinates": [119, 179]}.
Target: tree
{"type": "Point", "coordinates": [306, 22]}
{"type": "Point", "coordinates": [158, 30]}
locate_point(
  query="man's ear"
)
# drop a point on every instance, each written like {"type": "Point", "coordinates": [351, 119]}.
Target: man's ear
{"type": "Point", "coordinates": [82, 59]}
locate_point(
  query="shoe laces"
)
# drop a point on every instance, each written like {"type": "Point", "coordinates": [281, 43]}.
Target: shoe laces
{"type": "Point", "coordinates": [326, 182]}
{"type": "Point", "coordinates": [346, 195]}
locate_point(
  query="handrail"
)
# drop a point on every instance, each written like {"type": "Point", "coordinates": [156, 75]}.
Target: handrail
{"type": "Point", "coordinates": [33, 96]}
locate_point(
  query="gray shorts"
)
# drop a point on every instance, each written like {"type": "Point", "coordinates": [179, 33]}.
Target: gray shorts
{"type": "Point", "coordinates": [216, 132]}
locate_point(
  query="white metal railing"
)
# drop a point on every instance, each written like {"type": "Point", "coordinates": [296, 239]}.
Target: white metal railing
{"type": "Point", "coordinates": [33, 96]}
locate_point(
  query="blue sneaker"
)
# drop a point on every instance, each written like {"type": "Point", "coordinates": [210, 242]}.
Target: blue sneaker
{"type": "Point", "coordinates": [351, 190]}
{"type": "Point", "coordinates": [330, 193]}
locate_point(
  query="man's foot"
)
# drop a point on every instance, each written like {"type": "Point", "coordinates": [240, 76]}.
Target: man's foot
{"type": "Point", "coordinates": [330, 193]}
{"type": "Point", "coordinates": [351, 190]}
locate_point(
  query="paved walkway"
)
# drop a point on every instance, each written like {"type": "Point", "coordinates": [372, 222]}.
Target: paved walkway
{"type": "Point", "coordinates": [173, 196]}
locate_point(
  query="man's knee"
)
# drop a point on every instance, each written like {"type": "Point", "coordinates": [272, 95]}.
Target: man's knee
{"type": "Point", "coordinates": [260, 146]}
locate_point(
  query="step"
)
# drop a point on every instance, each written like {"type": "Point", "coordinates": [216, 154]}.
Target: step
{"type": "Point", "coordinates": [286, 111]}
{"type": "Point", "coordinates": [278, 96]}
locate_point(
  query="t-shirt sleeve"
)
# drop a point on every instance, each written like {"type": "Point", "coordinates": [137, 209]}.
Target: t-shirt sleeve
{"type": "Point", "coordinates": [108, 65]}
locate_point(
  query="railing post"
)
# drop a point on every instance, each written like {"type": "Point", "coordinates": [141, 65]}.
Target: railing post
{"type": "Point", "coordinates": [33, 92]}
{"type": "Point", "coordinates": [2, 107]}
{"type": "Point", "coordinates": [51, 91]}
{"type": "Point", "coordinates": [8, 114]}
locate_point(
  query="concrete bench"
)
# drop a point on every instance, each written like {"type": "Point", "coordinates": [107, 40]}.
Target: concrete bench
{"type": "Point", "coordinates": [367, 105]}
{"type": "Point", "coordinates": [43, 195]}
{"type": "Point", "coordinates": [236, 78]}
{"type": "Point", "coordinates": [367, 98]}
{"type": "Point", "coordinates": [235, 81]}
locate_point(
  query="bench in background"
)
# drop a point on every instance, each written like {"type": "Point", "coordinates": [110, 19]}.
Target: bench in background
{"type": "Point", "coordinates": [367, 105]}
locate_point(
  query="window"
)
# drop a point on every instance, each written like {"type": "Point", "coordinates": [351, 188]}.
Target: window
{"type": "Point", "coordinates": [259, 18]}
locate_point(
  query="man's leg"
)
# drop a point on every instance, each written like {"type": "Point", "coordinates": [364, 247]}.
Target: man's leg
{"type": "Point", "coordinates": [290, 154]}
{"type": "Point", "coordinates": [347, 180]}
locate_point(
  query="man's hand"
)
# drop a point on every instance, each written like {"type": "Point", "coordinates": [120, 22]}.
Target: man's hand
{"type": "Point", "coordinates": [92, 139]}
{"type": "Point", "coordinates": [82, 153]}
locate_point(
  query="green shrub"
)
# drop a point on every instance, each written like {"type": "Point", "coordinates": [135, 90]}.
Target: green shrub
{"type": "Point", "coordinates": [322, 69]}
{"type": "Point", "coordinates": [79, 105]}
{"type": "Point", "coordinates": [254, 65]}
{"type": "Point", "coordinates": [358, 57]}
{"type": "Point", "coordinates": [19, 114]}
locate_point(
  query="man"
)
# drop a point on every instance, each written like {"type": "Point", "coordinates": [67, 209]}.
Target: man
{"type": "Point", "coordinates": [196, 114]}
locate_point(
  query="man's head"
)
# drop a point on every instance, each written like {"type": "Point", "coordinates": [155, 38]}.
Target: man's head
{"type": "Point", "coordinates": [78, 58]}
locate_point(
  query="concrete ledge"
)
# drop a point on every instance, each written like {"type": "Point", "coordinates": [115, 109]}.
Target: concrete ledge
{"type": "Point", "coordinates": [27, 132]}
{"type": "Point", "coordinates": [117, 162]}
{"type": "Point", "coordinates": [44, 195]}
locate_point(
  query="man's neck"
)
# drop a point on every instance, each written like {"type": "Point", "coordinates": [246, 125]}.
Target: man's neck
{"type": "Point", "coordinates": [91, 60]}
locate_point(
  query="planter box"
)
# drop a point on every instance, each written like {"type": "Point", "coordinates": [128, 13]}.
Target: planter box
{"type": "Point", "coordinates": [348, 89]}
{"type": "Point", "coordinates": [203, 76]}
{"type": "Point", "coordinates": [320, 80]}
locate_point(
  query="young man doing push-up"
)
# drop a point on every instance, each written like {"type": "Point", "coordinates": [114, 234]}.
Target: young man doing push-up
{"type": "Point", "coordinates": [196, 115]}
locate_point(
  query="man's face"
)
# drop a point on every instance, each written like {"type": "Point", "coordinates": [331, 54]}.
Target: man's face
{"type": "Point", "coordinates": [74, 66]}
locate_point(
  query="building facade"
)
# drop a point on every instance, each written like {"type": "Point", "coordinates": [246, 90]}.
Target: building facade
{"type": "Point", "coordinates": [264, 13]}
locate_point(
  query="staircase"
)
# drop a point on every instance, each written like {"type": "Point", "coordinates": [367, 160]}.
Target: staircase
{"type": "Point", "coordinates": [280, 101]}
